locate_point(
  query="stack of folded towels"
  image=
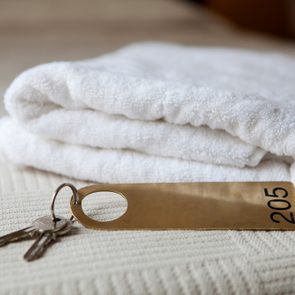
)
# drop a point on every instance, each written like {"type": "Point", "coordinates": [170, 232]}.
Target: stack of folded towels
{"type": "Point", "coordinates": [155, 112]}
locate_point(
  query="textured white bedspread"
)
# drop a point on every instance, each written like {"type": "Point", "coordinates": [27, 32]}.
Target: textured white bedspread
{"type": "Point", "coordinates": [133, 262]}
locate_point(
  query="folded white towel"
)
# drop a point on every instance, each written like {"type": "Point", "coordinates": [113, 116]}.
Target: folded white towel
{"type": "Point", "coordinates": [156, 112]}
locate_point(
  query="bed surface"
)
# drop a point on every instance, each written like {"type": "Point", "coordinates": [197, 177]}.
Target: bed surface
{"type": "Point", "coordinates": [129, 262]}
{"type": "Point", "coordinates": [134, 262]}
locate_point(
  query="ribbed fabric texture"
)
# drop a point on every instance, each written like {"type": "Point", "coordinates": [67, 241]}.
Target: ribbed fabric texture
{"type": "Point", "coordinates": [134, 262]}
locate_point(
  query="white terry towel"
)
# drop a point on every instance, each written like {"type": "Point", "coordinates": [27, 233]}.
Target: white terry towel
{"type": "Point", "coordinates": [156, 112]}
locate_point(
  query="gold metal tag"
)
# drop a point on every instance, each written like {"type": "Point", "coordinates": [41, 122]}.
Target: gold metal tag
{"type": "Point", "coordinates": [197, 206]}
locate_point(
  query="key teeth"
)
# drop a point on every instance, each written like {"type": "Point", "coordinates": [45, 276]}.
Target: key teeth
{"type": "Point", "coordinates": [29, 258]}
{"type": "Point", "coordinates": [15, 236]}
{"type": "Point", "coordinates": [3, 242]}
{"type": "Point", "coordinates": [33, 256]}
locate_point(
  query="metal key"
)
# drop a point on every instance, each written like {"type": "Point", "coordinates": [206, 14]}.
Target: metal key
{"type": "Point", "coordinates": [44, 240]}
{"type": "Point", "coordinates": [39, 226]}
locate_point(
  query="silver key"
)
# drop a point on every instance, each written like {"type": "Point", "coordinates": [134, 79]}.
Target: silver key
{"type": "Point", "coordinates": [44, 240]}
{"type": "Point", "coordinates": [39, 226]}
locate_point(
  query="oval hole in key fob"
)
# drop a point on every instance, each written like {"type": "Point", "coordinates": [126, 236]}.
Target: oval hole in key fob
{"type": "Point", "coordinates": [105, 206]}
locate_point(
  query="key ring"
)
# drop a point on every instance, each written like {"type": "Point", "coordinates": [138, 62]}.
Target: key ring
{"type": "Point", "coordinates": [75, 195]}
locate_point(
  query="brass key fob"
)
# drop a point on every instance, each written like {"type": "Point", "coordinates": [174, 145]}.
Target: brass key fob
{"type": "Point", "coordinates": [196, 206]}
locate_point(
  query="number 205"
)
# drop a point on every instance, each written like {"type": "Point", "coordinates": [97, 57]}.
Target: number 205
{"type": "Point", "coordinates": [279, 202]}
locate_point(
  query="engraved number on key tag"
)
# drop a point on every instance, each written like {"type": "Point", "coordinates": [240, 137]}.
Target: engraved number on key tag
{"type": "Point", "coordinates": [197, 206]}
{"type": "Point", "coordinates": [280, 204]}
